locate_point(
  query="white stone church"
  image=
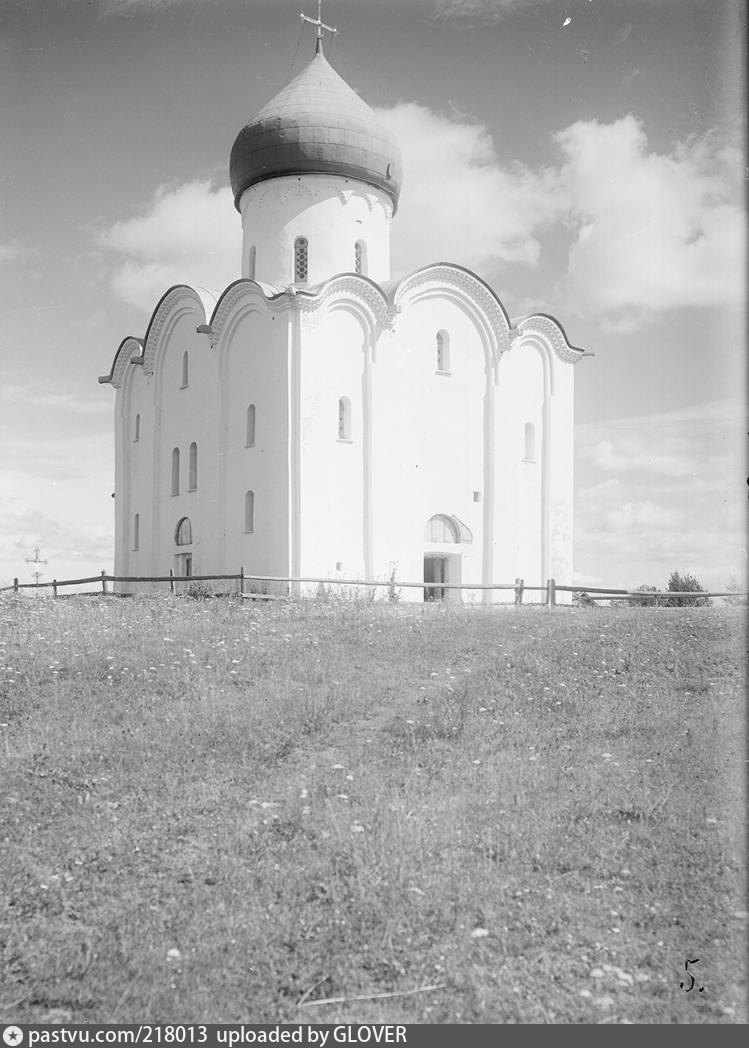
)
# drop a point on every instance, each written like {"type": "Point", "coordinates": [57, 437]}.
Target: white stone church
{"type": "Point", "coordinates": [327, 421]}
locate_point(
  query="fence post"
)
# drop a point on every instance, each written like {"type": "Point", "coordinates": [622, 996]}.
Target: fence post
{"type": "Point", "coordinates": [171, 580]}
{"type": "Point", "coordinates": [551, 593]}
{"type": "Point", "coordinates": [103, 581]}
{"type": "Point", "coordinates": [241, 580]}
{"type": "Point", "coordinates": [15, 585]}
{"type": "Point", "coordinates": [519, 590]}
{"type": "Point", "coordinates": [54, 587]}
{"type": "Point", "coordinates": [391, 586]}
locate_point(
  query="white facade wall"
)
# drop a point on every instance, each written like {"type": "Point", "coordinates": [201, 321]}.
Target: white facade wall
{"type": "Point", "coordinates": [428, 441]}
{"type": "Point", "coordinates": [332, 213]}
{"type": "Point", "coordinates": [519, 481]}
{"type": "Point", "coordinates": [422, 443]}
{"type": "Point", "coordinates": [332, 519]}
{"type": "Point", "coordinates": [184, 414]}
{"type": "Point", "coordinates": [252, 359]}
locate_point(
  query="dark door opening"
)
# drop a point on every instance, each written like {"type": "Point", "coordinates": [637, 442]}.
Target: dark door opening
{"type": "Point", "coordinates": [435, 571]}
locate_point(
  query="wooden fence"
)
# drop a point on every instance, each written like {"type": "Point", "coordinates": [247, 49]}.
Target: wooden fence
{"type": "Point", "coordinates": [549, 591]}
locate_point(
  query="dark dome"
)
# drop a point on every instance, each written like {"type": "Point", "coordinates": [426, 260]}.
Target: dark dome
{"type": "Point", "coordinates": [316, 125]}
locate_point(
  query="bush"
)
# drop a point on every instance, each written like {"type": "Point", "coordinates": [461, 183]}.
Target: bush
{"type": "Point", "coordinates": [198, 591]}
{"type": "Point", "coordinates": [581, 599]}
{"type": "Point", "coordinates": [685, 584]}
{"type": "Point", "coordinates": [644, 600]}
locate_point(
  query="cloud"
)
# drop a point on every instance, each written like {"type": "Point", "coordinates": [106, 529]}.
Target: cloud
{"type": "Point", "coordinates": [190, 234]}
{"type": "Point", "coordinates": [56, 495]}
{"type": "Point", "coordinates": [11, 251]}
{"type": "Point", "coordinates": [650, 231]}
{"type": "Point", "coordinates": [28, 396]}
{"type": "Point", "coordinates": [486, 12]}
{"type": "Point", "coordinates": [654, 231]}
{"type": "Point", "coordinates": [663, 492]}
{"type": "Point", "coordinates": [458, 204]}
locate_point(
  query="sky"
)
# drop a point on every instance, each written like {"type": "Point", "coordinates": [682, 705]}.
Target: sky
{"type": "Point", "coordinates": [585, 157]}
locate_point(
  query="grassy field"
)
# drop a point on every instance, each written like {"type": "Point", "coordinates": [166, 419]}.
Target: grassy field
{"type": "Point", "coordinates": [214, 811]}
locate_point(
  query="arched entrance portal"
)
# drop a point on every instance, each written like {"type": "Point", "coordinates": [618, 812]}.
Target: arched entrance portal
{"type": "Point", "coordinates": [183, 538]}
{"type": "Point", "coordinates": [442, 562]}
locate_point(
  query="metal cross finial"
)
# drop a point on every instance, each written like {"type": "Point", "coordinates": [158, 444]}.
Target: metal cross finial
{"type": "Point", "coordinates": [36, 560]}
{"type": "Point", "coordinates": [320, 26]}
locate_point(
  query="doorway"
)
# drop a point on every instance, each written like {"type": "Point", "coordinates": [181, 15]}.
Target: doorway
{"type": "Point", "coordinates": [183, 565]}
{"type": "Point", "coordinates": [441, 571]}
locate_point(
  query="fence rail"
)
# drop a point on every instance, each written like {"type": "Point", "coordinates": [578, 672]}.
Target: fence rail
{"type": "Point", "coordinates": [392, 584]}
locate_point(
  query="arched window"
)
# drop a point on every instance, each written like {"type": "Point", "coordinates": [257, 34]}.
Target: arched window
{"type": "Point", "coordinates": [192, 481]}
{"type": "Point", "coordinates": [250, 441]}
{"type": "Point", "coordinates": [249, 511]}
{"type": "Point", "coordinates": [301, 259]}
{"type": "Point", "coordinates": [175, 471]}
{"type": "Point", "coordinates": [443, 352]}
{"type": "Point", "coordinates": [251, 263]}
{"type": "Point", "coordinates": [136, 531]}
{"type": "Point", "coordinates": [136, 431]}
{"type": "Point", "coordinates": [344, 418]}
{"type": "Point", "coordinates": [183, 532]}
{"type": "Point", "coordinates": [360, 257]}
{"type": "Point", "coordinates": [530, 442]}
{"type": "Point", "coordinates": [185, 369]}
{"type": "Point", "coordinates": [441, 529]}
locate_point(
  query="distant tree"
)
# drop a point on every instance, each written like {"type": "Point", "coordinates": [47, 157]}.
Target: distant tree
{"type": "Point", "coordinates": [685, 584]}
{"type": "Point", "coordinates": [733, 586]}
{"type": "Point", "coordinates": [644, 601]}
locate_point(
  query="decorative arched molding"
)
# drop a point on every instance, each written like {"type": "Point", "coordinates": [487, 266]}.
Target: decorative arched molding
{"type": "Point", "coordinates": [359, 292]}
{"type": "Point", "coordinates": [129, 351]}
{"type": "Point", "coordinates": [250, 290]}
{"type": "Point", "coordinates": [313, 186]}
{"type": "Point", "coordinates": [172, 306]}
{"type": "Point", "coordinates": [240, 298]}
{"type": "Point", "coordinates": [553, 333]}
{"type": "Point", "coordinates": [468, 291]}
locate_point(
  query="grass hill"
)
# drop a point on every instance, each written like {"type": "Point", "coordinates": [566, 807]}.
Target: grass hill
{"type": "Point", "coordinates": [219, 811]}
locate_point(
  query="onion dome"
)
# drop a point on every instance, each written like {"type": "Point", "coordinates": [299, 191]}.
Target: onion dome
{"type": "Point", "coordinates": [316, 125]}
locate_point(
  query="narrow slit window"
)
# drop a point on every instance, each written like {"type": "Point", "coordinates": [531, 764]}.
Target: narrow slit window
{"type": "Point", "coordinates": [193, 468]}
{"type": "Point", "coordinates": [175, 471]}
{"type": "Point", "coordinates": [344, 418]}
{"type": "Point", "coordinates": [249, 511]}
{"type": "Point", "coordinates": [443, 352]}
{"type": "Point", "coordinates": [250, 439]}
{"type": "Point", "coordinates": [301, 260]}
{"type": "Point", "coordinates": [530, 442]}
{"type": "Point", "coordinates": [360, 257]}
{"type": "Point", "coordinates": [185, 369]}
{"type": "Point", "coordinates": [251, 262]}
{"type": "Point", "coordinates": [136, 430]}
{"type": "Point", "coordinates": [136, 531]}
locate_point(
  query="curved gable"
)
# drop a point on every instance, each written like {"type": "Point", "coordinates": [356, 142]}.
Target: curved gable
{"type": "Point", "coordinates": [469, 290]}
{"type": "Point", "coordinates": [172, 305]}
{"type": "Point", "coordinates": [128, 352]}
{"type": "Point", "coordinates": [551, 331]}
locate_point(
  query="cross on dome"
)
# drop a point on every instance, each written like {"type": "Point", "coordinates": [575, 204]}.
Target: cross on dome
{"type": "Point", "coordinates": [320, 26]}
